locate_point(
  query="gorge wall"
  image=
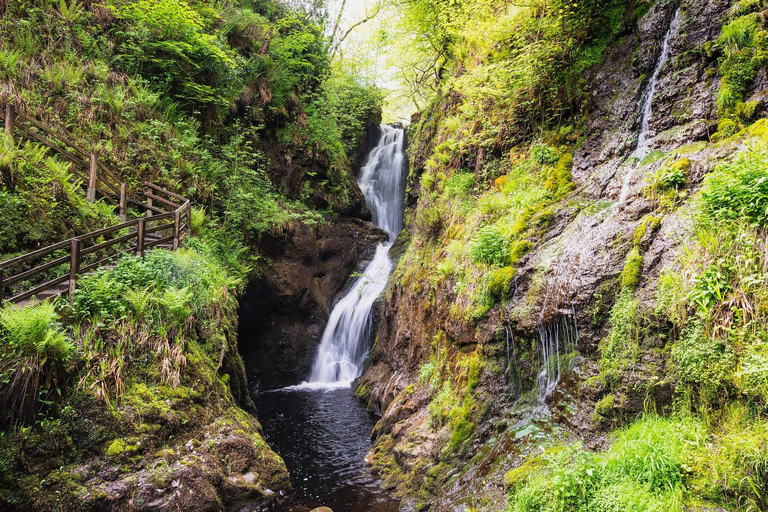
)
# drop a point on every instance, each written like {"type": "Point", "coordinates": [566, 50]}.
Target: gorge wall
{"type": "Point", "coordinates": [457, 389]}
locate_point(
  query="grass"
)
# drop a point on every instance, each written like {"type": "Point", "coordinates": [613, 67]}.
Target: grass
{"type": "Point", "coordinates": [644, 469]}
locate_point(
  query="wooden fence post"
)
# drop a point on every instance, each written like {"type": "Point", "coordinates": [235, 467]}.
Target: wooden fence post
{"type": "Point", "coordinates": [123, 200]}
{"type": "Point", "coordinates": [140, 238]}
{"type": "Point", "coordinates": [74, 268]}
{"type": "Point", "coordinates": [2, 287]}
{"type": "Point", "coordinates": [92, 178]}
{"type": "Point", "coordinates": [149, 201]}
{"type": "Point", "coordinates": [189, 218]}
{"type": "Point", "coordinates": [10, 120]}
{"type": "Point", "coordinates": [176, 228]}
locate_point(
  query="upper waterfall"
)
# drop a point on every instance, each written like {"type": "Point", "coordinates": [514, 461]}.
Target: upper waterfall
{"type": "Point", "coordinates": [343, 347]}
{"type": "Point", "coordinates": [645, 135]}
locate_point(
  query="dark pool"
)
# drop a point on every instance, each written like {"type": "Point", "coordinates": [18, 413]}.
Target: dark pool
{"type": "Point", "coordinates": [323, 436]}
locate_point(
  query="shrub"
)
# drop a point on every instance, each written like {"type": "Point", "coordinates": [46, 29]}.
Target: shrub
{"type": "Point", "coordinates": [33, 352]}
{"type": "Point", "coordinates": [739, 188]}
{"type": "Point", "coordinates": [490, 246]}
{"type": "Point", "coordinates": [544, 154]}
{"type": "Point", "coordinates": [704, 363]}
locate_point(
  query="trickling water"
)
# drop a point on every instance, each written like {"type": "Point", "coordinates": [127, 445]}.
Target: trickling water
{"type": "Point", "coordinates": [645, 135]}
{"type": "Point", "coordinates": [513, 380]}
{"type": "Point", "coordinates": [557, 343]}
{"type": "Point", "coordinates": [343, 347]}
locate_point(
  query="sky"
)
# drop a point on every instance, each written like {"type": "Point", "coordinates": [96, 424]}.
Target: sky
{"type": "Point", "coordinates": [362, 50]}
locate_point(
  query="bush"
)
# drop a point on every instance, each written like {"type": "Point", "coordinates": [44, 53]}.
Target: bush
{"type": "Point", "coordinates": [33, 351]}
{"type": "Point", "coordinates": [490, 246]}
{"type": "Point", "coordinates": [544, 154]}
{"type": "Point", "coordinates": [739, 188]}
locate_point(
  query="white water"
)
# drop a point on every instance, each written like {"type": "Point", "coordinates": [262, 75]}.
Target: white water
{"type": "Point", "coordinates": [344, 346]}
{"type": "Point", "coordinates": [645, 136]}
{"type": "Point", "coordinates": [558, 343]}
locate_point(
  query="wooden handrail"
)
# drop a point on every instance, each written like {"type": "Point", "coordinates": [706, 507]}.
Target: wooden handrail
{"type": "Point", "coordinates": [165, 191]}
{"type": "Point", "coordinates": [138, 228]}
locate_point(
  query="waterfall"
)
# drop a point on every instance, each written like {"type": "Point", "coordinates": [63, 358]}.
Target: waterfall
{"type": "Point", "coordinates": [557, 344]}
{"type": "Point", "coordinates": [344, 346]}
{"type": "Point", "coordinates": [645, 135]}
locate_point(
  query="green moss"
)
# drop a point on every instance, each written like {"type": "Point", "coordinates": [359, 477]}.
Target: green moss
{"type": "Point", "coordinates": [499, 281]}
{"type": "Point", "coordinates": [650, 223]}
{"type": "Point", "coordinates": [519, 249]}
{"type": "Point", "coordinates": [653, 156]}
{"type": "Point", "coordinates": [604, 406]}
{"type": "Point", "coordinates": [116, 447]}
{"type": "Point", "coordinates": [520, 474]}
{"type": "Point", "coordinates": [725, 129]}
{"type": "Point", "coordinates": [630, 276]}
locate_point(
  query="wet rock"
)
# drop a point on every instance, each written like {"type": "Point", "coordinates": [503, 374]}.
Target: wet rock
{"type": "Point", "coordinates": [321, 509]}
{"type": "Point", "coordinates": [283, 313]}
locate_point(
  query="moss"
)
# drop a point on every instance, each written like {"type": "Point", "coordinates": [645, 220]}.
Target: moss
{"type": "Point", "coordinates": [725, 129]}
{"type": "Point", "coordinates": [519, 249]}
{"type": "Point", "coordinates": [476, 367]}
{"type": "Point", "coordinates": [653, 156]}
{"type": "Point", "coordinates": [499, 281]}
{"type": "Point", "coordinates": [521, 473]}
{"type": "Point", "coordinates": [649, 224]}
{"type": "Point", "coordinates": [116, 447]}
{"type": "Point", "coordinates": [630, 276]}
{"type": "Point", "coordinates": [604, 406]}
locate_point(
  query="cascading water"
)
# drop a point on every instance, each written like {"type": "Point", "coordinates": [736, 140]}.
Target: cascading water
{"type": "Point", "coordinates": [558, 341]}
{"type": "Point", "coordinates": [513, 379]}
{"type": "Point", "coordinates": [343, 347]}
{"type": "Point", "coordinates": [645, 135]}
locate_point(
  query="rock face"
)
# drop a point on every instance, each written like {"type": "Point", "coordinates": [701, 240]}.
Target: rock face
{"type": "Point", "coordinates": [574, 272]}
{"type": "Point", "coordinates": [283, 313]}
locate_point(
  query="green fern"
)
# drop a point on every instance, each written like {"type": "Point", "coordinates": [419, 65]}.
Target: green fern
{"type": "Point", "coordinates": [73, 12]}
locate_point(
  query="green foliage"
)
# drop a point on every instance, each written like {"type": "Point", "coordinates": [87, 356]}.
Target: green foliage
{"type": "Point", "coordinates": [160, 284]}
{"type": "Point", "coordinates": [739, 188]}
{"type": "Point", "coordinates": [744, 42]}
{"type": "Point", "coordinates": [705, 363]}
{"type": "Point", "coordinates": [490, 246]}
{"type": "Point", "coordinates": [167, 43]}
{"type": "Point", "coordinates": [734, 470]}
{"type": "Point", "coordinates": [460, 184]}
{"type": "Point", "coordinates": [544, 154]}
{"type": "Point", "coordinates": [630, 275]}
{"type": "Point", "coordinates": [619, 349]}
{"type": "Point", "coordinates": [34, 350]}
{"type": "Point", "coordinates": [644, 470]}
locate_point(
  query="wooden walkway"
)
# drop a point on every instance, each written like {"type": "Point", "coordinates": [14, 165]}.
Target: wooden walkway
{"type": "Point", "coordinates": [54, 270]}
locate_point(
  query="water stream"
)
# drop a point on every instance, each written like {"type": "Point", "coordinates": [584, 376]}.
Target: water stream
{"type": "Point", "coordinates": [319, 427]}
{"type": "Point", "coordinates": [646, 135]}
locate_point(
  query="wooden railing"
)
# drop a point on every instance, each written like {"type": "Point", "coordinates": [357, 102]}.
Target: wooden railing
{"type": "Point", "coordinates": [30, 274]}
{"type": "Point", "coordinates": [85, 165]}
{"type": "Point", "coordinates": [54, 270]}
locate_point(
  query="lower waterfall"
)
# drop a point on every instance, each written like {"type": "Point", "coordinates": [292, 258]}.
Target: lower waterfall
{"type": "Point", "coordinates": [344, 346]}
